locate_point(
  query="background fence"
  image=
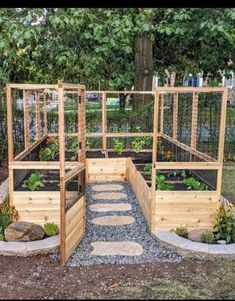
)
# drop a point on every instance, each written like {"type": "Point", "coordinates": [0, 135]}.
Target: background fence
{"type": "Point", "coordinates": [93, 123]}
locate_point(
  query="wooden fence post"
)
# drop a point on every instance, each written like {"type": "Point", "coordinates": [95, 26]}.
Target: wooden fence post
{"type": "Point", "coordinates": [155, 126]}
{"type": "Point", "coordinates": [26, 118]}
{"type": "Point", "coordinates": [104, 122]}
{"type": "Point", "coordinates": [162, 114]}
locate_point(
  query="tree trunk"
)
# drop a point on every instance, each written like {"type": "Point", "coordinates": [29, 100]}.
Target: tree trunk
{"type": "Point", "coordinates": [143, 67]}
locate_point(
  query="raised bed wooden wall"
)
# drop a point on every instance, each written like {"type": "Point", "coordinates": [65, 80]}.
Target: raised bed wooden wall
{"type": "Point", "coordinates": [74, 226]}
{"type": "Point", "coordinates": [106, 169]}
{"type": "Point", "coordinates": [192, 209]}
{"type": "Point", "coordinates": [141, 190]}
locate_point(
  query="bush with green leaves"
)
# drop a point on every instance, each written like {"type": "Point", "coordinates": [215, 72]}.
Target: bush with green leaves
{"type": "Point", "coordinates": [193, 184]}
{"type": "Point", "coordinates": [161, 183]}
{"type": "Point", "coordinates": [118, 146]}
{"type": "Point", "coordinates": [224, 223]}
{"type": "Point", "coordinates": [208, 237]}
{"type": "Point", "coordinates": [51, 229]}
{"type": "Point", "coordinates": [50, 151]}
{"type": "Point", "coordinates": [34, 181]}
{"type": "Point", "coordinates": [181, 231]}
{"type": "Point", "coordinates": [8, 214]}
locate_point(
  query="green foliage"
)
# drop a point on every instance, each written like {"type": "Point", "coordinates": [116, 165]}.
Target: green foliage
{"type": "Point", "coordinates": [181, 231]}
{"type": "Point", "coordinates": [51, 229]}
{"type": "Point", "coordinates": [193, 184]}
{"type": "Point", "coordinates": [162, 185]}
{"type": "Point", "coordinates": [34, 181]}
{"type": "Point", "coordinates": [148, 168]}
{"type": "Point", "coordinates": [74, 148]}
{"type": "Point", "coordinates": [224, 223]}
{"type": "Point", "coordinates": [137, 144]}
{"type": "Point", "coordinates": [8, 214]}
{"type": "Point", "coordinates": [208, 237]}
{"type": "Point", "coordinates": [49, 152]}
{"type": "Point", "coordinates": [118, 145]}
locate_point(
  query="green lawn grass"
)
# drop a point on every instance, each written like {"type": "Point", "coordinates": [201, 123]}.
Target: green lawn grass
{"type": "Point", "coordinates": [228, 181]}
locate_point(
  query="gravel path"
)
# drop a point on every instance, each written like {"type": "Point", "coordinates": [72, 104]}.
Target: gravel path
{"type": "Point", "coordinates": [137, 232]}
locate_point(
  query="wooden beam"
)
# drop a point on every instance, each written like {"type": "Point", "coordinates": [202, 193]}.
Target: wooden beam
{"type": "Point", "coordinates": [82, 126]}
{"type": "Point", "coordinates": [32, 86]}
{"type": "Point", "coordinates": [10, 124]}
{"type": "Point", "coordinates": [175, 115]}
{"type": "Point", "coordinates": [73, 172]}
{"type": "Point", "coordinates": [194, 121]}
{"type": "Point", "coordinates": [187, 165]}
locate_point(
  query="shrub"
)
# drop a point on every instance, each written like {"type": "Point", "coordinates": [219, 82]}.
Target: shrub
{"type": "Point", "coordinates": [34, 181]}
{"type": "Point", "coordinates": [8, 214]}
{"type": "Point", "coordinates": [118, 146]}
{"type": "Point", "coordinates": [181, 231]}
{"type": "Point", "coordinates": [51, 229]}
{"type": "Point", "coordinates": [224, 222]}
{"type": "Point", "coordinates": [208, 237]}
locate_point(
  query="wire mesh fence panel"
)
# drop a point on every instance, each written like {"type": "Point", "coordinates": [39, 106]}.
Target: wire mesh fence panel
{"type": "Point", "coordinates": [18, 122]}
{"type": "Point", "coordinates": [184, 117]}
{"type": "Point", "coordinates": [93, 113]}
{"type": "Point", "coordinates": [3, 127]}
{"type": "Point", "coordinates": [168, 114]}
{"type": "Point", "coordinates": [52, 112]}
{"type": "Point", "coordinates": [208, 129]}
{"type": "Point", "coordinates": [129, 113]}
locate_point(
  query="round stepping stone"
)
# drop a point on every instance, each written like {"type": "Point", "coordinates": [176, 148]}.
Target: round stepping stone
{"type": "Point", "coordinates": [110, 207]}
{"type": "Point", "coordinates": [110, 220]}
{"type": "Point", "coordinates": [107, 187]}
{"type": "Point", "coordinates": [113, 248]}
{"type": "Point", "coordinates": [109, 196]}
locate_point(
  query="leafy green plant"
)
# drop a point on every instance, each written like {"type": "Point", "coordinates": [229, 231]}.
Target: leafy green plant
{"type": "Point", "coordinates": [193, 184]}
{"type": "Point", "coordinates": [224, 223]}
{"type": "Point", "coordinates": [181, 231]}
{"type": "Point", "coordinates": [148, 168]}
{"type": "Point", "coordinates": [50, 151]}
{"type": "Point", "coordinates": [137, 144]}
{"type": "Point", "coordinates": [74, 148]}
{"type": "Point", "coordinates": [118, 146]}
{"type": "Point", "coordinates": [51, 229]}
{"type": "Point", "coordinates": [208, 237]}
{"type": "Point", "coordinates": [162, 185]}
{"type": "Point", "coordinates": [34, 181]}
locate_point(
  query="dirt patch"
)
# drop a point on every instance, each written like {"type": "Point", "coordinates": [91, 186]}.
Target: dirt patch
{"type": "Point", "coordinates": [40, 277]}
{"type": "Point", "coordinates": [3, 172]}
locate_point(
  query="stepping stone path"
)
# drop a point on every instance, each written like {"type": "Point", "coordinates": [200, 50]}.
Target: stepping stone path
{"type": "Point", "coordinates": [124, 248]}
{"type": "Point", "coordinates": [113, 220]}
{"type": "Point", "coordinates": [108, 187]}
{"type": "Point", "coordinates": [109, 196]}
{"type": "Point", "coordinates": [116, 230]}
{"type": "Point", "coordinates": [110, 207]}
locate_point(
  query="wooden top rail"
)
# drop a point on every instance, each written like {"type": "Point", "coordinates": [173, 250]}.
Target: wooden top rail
{"type": "Point", "coordinates": [42, 165]}
{"type": "Point", "coordinates": [73, 172]}
{"type": "Point", "coordinates": [45, 86]}
{"type": "Point", "coordinates": [187, 165]}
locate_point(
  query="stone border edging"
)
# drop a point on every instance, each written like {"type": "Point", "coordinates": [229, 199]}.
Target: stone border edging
{"type": "Point", "coordinates": [4, 190]}
{"type": "Point", "coordinates": [190, 248]}
{"type": "Point", "coordinates": [24, 249]}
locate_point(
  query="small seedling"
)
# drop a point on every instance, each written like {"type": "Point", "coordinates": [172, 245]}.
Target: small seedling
{"type": "Point", "coordinates": [118, 146]}
{"type": "Point", "coordinates": [74, 147]}
{"type": "Point", "coordinates": [34, 181]}
{"type": "Point", "coordinates": [51, 229]}
{"type": "Point", "coordinates": [181, 231]}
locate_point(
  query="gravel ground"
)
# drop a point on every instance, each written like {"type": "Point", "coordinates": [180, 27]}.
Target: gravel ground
{"type": "Point", "coordinates": [137, 232]}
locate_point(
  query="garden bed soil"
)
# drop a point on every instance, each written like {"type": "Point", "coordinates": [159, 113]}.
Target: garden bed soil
{"type": "Point", "coordinates": [94, 154]}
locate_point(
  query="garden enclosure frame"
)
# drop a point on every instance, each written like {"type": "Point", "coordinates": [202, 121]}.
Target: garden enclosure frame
{"type": "Point", "coordinates": [162, 209]}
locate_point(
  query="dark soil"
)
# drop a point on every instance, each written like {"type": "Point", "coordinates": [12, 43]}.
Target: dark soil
{"type": "Point", "coordinates": [94, 154]}
{"type": "Point", "coordinates": [3, 172]}
{"type": "Point", "coordinates": [141, 157]}
{"type": "Point", "coordinates": [40, 277]}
